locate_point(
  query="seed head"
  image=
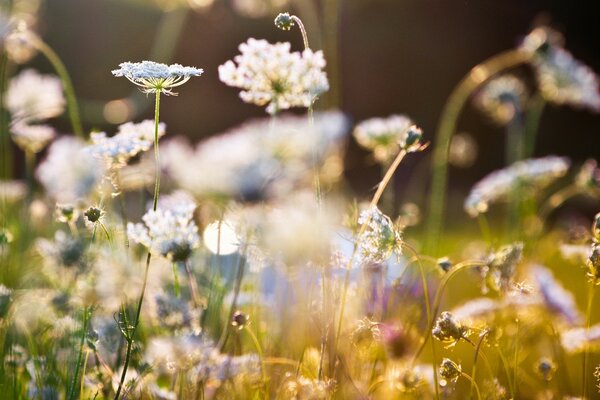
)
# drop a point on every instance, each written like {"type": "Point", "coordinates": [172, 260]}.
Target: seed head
{"type": "Point", "coordinates": [284, 21]}
{"type": "Point", "coordinates": [448, 330]}
{"type": "Point", "coordinates": [450, 371]}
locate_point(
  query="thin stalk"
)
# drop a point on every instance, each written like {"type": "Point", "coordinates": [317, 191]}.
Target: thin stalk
{"type": "Point", "coordinates": [5, 153]}
{"type": "Point", "coordinates": [176, 280]}
{"type": "Point", "coordinates": [475, 359]}
{"type": "Point", "coordinates": [557, 200]}
{"type": "Point", "coordinates": [447, 125]}
{"type": "Point", "coordinates": [86, 319]}
{"type": "Point", "coordinates": [156, 155]}
{"type": "Point", "coordinates": [260, 357]}
{"type": "Point", "coordinates": [516, 362]}
{"type": "Point", "coordinates": [192, 283]}
{"type": "Point", "coordinates": [586, 350]}
{"type": "Point", "coordinates": [61, 70]}
{"type": "Point", "coordinates": [473, 384]}
{"type": "Point", "coordinates": [85, 360]}
{"type": "Point", "coordinates": [532, 123]}
{"type": "Point", "coordinates": [376, 197]}
{"type": "Point", "coordinates": [302, 30]}
{"type": "Point", "coordinates": [511, 387]}
{"type": "Point", "coordinates": [438, 297]}
{"type": "Point", "coordinates": [236, 293]}
{"type": "Point", "coordinates": [130, 335]}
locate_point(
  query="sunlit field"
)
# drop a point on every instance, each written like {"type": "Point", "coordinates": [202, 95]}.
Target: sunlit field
{"type": "Point", "coordinates": [142, 262]}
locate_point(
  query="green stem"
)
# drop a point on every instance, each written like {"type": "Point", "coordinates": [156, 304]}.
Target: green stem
{"type": "Point", "coordinates": [86, 319]}
{"type": "Point", "coordinates": [156, 154]}
{"type": "Point", "coordinates": [176, 280]}
{"type": "Point", "coordinates": [438, 297]}
{"type": "Point", "coordinates": [236, 293]}
{"type": "Point", "coordinates": [473, 384]}
{"type": "Point", "coordinates": [130, 335]}
{"type": "Point", "coordinates": [29, 171]}
{"type": "Point", "coordinates": [5, 153]}
{"type": "Point", "coordinates": [260, 357]}
{"type": "Point", "coordinates": [532, 123]}
{"type": "Point", "coordinates": [447, 125]}
{"type": "Point", "coordinates": [588, 322]}
{"type": "Point", "coordinates": [61, 70]}
{"type": "Point", "coordinates": [475, 359]}
{"type": "Point", "coordinates": [374, 201]}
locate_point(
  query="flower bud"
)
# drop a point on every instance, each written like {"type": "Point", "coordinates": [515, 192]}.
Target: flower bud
{"type": "Point", "coordinates": [284, 21]}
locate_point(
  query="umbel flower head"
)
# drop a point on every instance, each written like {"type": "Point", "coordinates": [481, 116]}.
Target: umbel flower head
{"type": "Point", "coordinates": [379, 237]}
{"type": "Point", "coordinates": [155, 77]}
{"type": "Point", "coordinates": [449, 330]}
{"type": "Point", "coordinates": [272, 75]}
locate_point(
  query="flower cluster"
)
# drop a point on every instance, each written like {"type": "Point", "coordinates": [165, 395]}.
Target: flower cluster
{"type": "Point", "coordinates": [386, 136]}
{"type": "Point", "coordinates": [533, 173]}
{"type": "Point", "coordinates": [379, 237]}
{"type": "Point", "coordinates": [153, 77]}
{"type": "Point", "coordinates": [168, 232]}
{"type": "Point", "coordinates": [502, 98]}
{"type": "Point", "coordinates": [273, 75]}
{"type": "Point", "coordinates": [449, 330]}
{"type": "Point", "coordinates": [129, 141]}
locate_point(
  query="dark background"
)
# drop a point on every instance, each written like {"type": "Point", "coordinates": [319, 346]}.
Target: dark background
{"type": "Point", "coordinates": [396, 56]}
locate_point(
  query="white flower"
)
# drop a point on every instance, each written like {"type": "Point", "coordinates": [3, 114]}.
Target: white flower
{"type": "Point", "coordinates": [533, 173]}
{"type": "Point", "coordinates": [68, 173]}
{"type": "Point", "coordinates": [379, 237]}
{"type": "Point", "coordinates": [32, 138]}
{"type": "Point", "coordinates": [170, 233]}
{"type": "Point", "coordinates": [386, 136]}
{"type": "Point", "coordinates": [502, 98]}
{"type": "Point", "coordinates": [562, 79]}
{"type": "Point", "coordinates": [154, 77]}
{"type": "Point", "coordinates": [272, 75]}
{"type": "Point", "coordinates": [34, 97]}
{"type": "Point", "coordinates": [261, 159]}
{"type": "Point", "coordinates": [130, 140]}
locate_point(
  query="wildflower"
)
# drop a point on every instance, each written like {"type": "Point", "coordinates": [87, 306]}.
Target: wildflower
{"type": "Point", "coordinates": [386, 136]}
{"type": "Point", "coordinates": [68, 173]}
{"type": "Point", "coordinates": [502, 99]}
{"type": "Point", "coordinates": [501, 266]}
{"type": "Point", "coordinates": [545, 368]}
{"type": "Point", "coordinates": [379, 237]}
{"type": "Point", "coordinates": [284, 21]}
{"type": "Point", "coordinates": [129, 141]}
{"type": "Point", "coordinates": [170, 233]}
{"type": "Point", "coordinates": [19, 42]}
{"type": "Point", "coordinates": [555, 297]}
{"type": "Point", "coordinates": [450, 371]}
{"type": "Point", "coordinates": [66, 212]}
{"type": "Point", "coordinates": [64, 249]}
{"type": "Point", "coordinates": [156, 78]}
{"type": "Point", "coordinates": [562, 79]}
{"type": "Point", "coordinates": [448, 330]}
{"type": "Point", "coordinates": [261, 160]}
{"type": "Point", "coordinates": [272, 75]}
{"type": "Point", "coordinates": [93, 216]}
{"type": "Point", "coordinates": [32, 138]}
{"type": "Point", "coordinates": [31, 96]}
{"type": "Point", "coordinates": [534, 174]}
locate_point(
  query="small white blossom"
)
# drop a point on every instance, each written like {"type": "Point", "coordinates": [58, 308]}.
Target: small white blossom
{"type": "Point", "coordinates": [155, 77]}
{"type": "Point", "coordinates": [34, 97]}
{"type": "Point", "coordinates": [32, 138]}
{"type": "Point", "coordinates": [68, 173]}
{"type": "Point", "coordinates": [170, 233]}
{"type": "Point", "coordinates": [533, 173]}
{"type": "Point", "coordinates": [379, 237]}
{"type": "Point", "coordinates": [130, 140]}
{"type": "Point", "coordinates": [272, 75]}
{"type": "Point", "coordinates": [502, 98]}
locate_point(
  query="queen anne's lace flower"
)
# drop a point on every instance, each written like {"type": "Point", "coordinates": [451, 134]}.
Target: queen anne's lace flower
{"type": "Point", "coordinates": [34, 97]}
{"type": "Point", "coordinates": [386, 136]}
{"type": "Point", "coordinates": [533, 173]}
{"type": "Point", "coordinates": [130, 140]}
{"type": "Point", "coordinates": [68, 173]}
{"type": "Point", "coordinates": [169, 232]}
{"type": "Point", "coordinates": [154, 77]}
{"type": "Point", "coordinates": [379, 237]}
{"type": "Point", "coordinates": [502, 98]}
{"type": "Point", "coordinates": [272, 75]}
{"type": "Point", "coordinates": [562, 79]}
{"type": "Point", "coordinates": [32, 138]}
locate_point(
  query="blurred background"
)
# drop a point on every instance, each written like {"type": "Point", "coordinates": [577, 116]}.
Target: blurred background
{"type": "Point", "coordinates": [385, 56]}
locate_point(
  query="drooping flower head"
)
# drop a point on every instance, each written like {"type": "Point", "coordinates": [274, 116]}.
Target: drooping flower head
{"type": "Point", "coordinates": [273, 75]}
{"type": "Point", "coordinates": [155, 77]}
{"type": "Point", "coordinates": [562, 79]}
{"type": "Point", "coordinates": [502, 98]}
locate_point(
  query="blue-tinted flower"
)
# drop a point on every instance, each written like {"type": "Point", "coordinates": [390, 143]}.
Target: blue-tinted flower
{"type": "Point", "coordinates": [154, 77]}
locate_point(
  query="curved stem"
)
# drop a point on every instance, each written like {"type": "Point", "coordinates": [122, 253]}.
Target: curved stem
{"type": "Point", "coordinates": [473, 384]}
{"type": "Point", "coordinates": [438, 296]}
{"type": "Point", "coordinates": [61, 70]}
{"type": "Point", "coordinates": [557, 200]}
{"type": "Point", "coordinates": [302, 30]}
{"type": "Point", "coordinates": [376, 197]}
{"type": "Point", "coordinates": [588, 322]}
{"type": "Point", "coordinates": [446, 128]}
{"type": "Point", "coordinates": [475, 359]}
